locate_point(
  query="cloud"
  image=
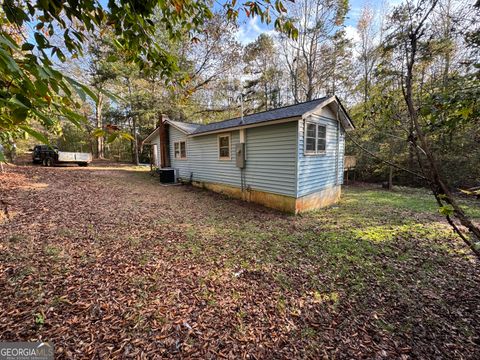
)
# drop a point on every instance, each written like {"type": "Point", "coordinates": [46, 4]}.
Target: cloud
{"type": "Point", "coordinates": [352, 34]}
{"type": "Point", "coordinates": [250, 30]}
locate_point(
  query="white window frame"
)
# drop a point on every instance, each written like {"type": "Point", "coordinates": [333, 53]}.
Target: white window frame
{"type": "Point", "coordinates": [316, 151]}
{"type": "Point", "coordinates": [229, 147]}
{"type": "Point", "coordinates": [179, 157]}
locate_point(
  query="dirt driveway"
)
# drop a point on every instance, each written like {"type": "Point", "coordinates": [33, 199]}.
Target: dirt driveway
{"type": "Point", "coordinates": [104, 262]}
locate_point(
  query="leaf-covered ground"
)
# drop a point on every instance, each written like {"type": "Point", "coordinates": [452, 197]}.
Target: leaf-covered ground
{"type": "Point", "coordinates": [105, 262]}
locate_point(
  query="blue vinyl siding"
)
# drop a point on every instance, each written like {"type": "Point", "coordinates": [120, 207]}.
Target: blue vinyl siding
{"type": "Point", "coordinates": [318, 172]}
{"type": "Point", "coordinates": [275, 163]}
{"type": "Point", "coordinates": [270, 165]}
{"type": "Point", "coordinates": [271, 158]}
{"type": "Point", "coordinates": [202, 161]}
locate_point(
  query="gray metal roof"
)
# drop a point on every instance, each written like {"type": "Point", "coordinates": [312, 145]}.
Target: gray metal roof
{"type": "Point", "coordinates": [270, 115]}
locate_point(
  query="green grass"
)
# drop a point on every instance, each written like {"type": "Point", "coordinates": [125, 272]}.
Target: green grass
{"type": "Point", "coordinates": [347, 242]}
{"type": "Point", "coordinates": [415, 200]}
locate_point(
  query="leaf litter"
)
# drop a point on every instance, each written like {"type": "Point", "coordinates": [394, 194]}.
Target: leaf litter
{"type": "Point", "coordinates": [105, 263]}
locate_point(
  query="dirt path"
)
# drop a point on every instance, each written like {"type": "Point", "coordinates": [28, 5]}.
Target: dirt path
{"type": "Point", "coordinates": [104, 262]}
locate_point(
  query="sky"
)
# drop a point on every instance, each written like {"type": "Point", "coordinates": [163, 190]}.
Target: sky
{"type": "Point", "coordinates": [250, 29]}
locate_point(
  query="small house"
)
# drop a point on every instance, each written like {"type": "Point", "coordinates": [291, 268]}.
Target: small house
{"type": "Point", "coordinates": [289, 158]}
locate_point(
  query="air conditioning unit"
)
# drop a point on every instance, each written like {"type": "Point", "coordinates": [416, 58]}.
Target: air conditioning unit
{"type": "Point", "coordinates": [167, 176]}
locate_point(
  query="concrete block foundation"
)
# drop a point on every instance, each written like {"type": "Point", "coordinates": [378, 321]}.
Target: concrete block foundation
{"type": "Point", "coordinates": [283, 203]}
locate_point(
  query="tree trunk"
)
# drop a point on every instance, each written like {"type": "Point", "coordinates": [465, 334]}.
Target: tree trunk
{"type": "Point", "coordinates": [440, 190]}
{"type": "Point", "coordinates": [136, 160]}
{"type": "Point", "coordinates": [100, 153]}
{"type": "Point", "coordinates": [390, 178]}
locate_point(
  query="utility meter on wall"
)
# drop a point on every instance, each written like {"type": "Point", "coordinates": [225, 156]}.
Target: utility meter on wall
{"type": "Point", "coordinates": [240, 155]}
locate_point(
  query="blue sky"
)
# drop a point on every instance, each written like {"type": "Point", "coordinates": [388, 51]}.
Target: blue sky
{"type": "Point", "coordinates": [250, 29]}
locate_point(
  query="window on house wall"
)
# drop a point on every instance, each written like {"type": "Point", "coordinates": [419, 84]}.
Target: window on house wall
{"type": "Point", "coordinates": [180, 149]}
{"type": "Point", "coordinates": [315, 138]}
{"type": "Point", "coordinates": [224, 147]}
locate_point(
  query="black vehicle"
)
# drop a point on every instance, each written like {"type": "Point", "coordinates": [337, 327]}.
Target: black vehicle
{"type": "Point", "coordinates": [41, 152]}
{"type": "Point", "coordinates": [50, 156]}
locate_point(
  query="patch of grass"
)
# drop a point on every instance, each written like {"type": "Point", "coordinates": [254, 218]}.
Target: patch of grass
{"type": "Point", "coordinates": [385, 233]}
{"type": "Point", "coordinates": [415, 200]}
{"type": "Point", "coordinates": [384, 325]}
{"type": "Point", "coordinates": [281, 305]}
{"type": "Point", "coordinates": [133, 241]}
{"type": "Point", "coordinates": [59, 300]}
{"type": "Point", "coordinates": [308, 333]}
{"type": "Point", "coordinates": [52, 250]}
{"type": "Point", "coordinates": [144, 258]}
{"type": "Point", "coordinates": [39, 319]}
{"type": "Point", "coordinates": [22, 273]}
{"type": "Point", "coordinates": [319, 297]}
{"type": "Point", "coordinates": [65, 232]}
{"type": "Point", "coordinates": [283, 280]}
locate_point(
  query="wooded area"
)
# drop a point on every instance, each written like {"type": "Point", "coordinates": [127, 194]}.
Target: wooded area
{"type": "Point", "coordinates": [214, 72]}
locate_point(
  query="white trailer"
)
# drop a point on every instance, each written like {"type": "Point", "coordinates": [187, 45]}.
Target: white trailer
{"type": "Point", "coordinates": [50, 156]}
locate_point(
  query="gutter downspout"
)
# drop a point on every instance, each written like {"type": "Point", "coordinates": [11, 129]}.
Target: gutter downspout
{"type": "Point", "coordinates": [243, 180]}
{"type": "Point", "coordinates": [337, 155]}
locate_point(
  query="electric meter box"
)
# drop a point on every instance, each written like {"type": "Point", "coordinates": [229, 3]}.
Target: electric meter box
{"type": "Point", "coordinates": [240, 155]}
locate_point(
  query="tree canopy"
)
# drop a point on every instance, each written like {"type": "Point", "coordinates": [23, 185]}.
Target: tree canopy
{"type": "Point", "coordinates": [36, 34]}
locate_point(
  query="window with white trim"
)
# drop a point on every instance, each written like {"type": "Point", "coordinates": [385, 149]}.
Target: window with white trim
{"type": "Point", "coordinates": [315, 138]}
{"type": "Point", "coordinates": [180, 149]}
{"type": "Point", "coordinates": [224, 147]}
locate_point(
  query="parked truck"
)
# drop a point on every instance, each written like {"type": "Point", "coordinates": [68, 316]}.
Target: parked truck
{"type": "Point", "coordinates": [51, 156]}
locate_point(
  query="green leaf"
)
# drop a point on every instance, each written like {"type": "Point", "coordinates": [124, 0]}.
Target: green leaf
{"type": "Point", "coordinates": [112, 96]}
{"type": "Point", "coordinates": [7, 40]}
{"type": "Point", "coordinates": [465, 112]}
{"type": "Point", "coordinates": [46, 120]}
{"type": "Point", "coordinates": [111, 137]}
{"type": "Point", "coordinates": [19, 115]}
{"type": "Point", "coordinates": [75, 118]}
{"type": "Point", "coordinates": [41, 40]}
{"type": "Point", "coordinates": [126, 136]}
{"type": "Point", "coordinates": [112, 58]}
{"type": "Point", "coordinates": [27, 47]}
{"type": "Point", "coordinates": [446, 210]}
{"type": "Point", "coordinates": [98, 132]}
{"type": "Point", "coordinates": [41, 87]}
{"type": "Point", "coordinates": [34, 133]}
{"type": "Point", "coordinates": [81, 89]}
{"type": "Point", "coordinates": [21, 101]}
{"type": "Point", "coordinates": [9, 61]}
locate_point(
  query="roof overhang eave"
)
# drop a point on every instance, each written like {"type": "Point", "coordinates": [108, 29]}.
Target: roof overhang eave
{"type": "Point", "coordinates": [150, 137]}
{"type": "Point", "coordinates": [177, 127]}
{"type": "Point", "coordinates": [347, 122]}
